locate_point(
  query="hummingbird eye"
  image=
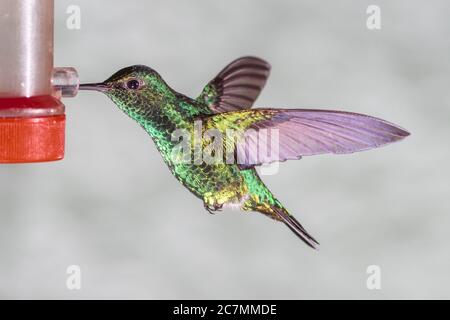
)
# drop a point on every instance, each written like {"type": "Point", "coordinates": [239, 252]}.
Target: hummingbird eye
{"type": "Point", "coordinates": [133, 84]}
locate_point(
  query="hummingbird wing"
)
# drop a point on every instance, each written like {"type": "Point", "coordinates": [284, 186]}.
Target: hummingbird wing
{"type": "Point", "coordinates": [302, 132]}
{"type": "Point", "coordinates": [237, 86]}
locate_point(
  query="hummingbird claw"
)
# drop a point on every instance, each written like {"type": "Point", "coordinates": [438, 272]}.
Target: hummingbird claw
{"type": "Point", "coordinates": [212, 209]}
{"type": "Point", "coordinates": [209, 210]}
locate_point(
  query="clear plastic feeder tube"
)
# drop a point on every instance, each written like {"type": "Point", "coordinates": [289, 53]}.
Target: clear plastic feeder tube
{"type": "Point", "coordinates": [32, 118]}
{"type": "Point", "coordinates": [26, 57]}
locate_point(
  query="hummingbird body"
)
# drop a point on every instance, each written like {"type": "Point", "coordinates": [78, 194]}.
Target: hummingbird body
{"type": "Point", "coordinates": [224, 104]}
{"type": "Point", "coordinates": [218, 185]}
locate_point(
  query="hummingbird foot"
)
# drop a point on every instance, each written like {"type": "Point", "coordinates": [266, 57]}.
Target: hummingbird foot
{"type": "Point", "coordinates": [213, 208]}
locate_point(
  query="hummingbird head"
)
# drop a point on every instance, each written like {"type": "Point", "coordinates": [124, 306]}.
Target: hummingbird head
{"type": "Point", "coordinates": [134, 89]}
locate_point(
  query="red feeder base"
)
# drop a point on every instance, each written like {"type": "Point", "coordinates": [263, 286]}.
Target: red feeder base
{"type": "Point", "coordinates": [31, 129]}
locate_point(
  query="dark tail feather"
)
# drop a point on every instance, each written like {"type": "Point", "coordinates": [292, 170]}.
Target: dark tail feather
{"type": "Point", "coordinates": [296, 227]}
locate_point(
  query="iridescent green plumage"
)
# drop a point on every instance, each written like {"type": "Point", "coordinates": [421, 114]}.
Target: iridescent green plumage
{"type": "Point", "coordinates": [225, 104]}
{"type": "Point", "coordinates": [160, 111]}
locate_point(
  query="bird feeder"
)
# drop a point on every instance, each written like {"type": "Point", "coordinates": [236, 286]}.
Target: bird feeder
{"type": "Point", "coordinates": [32, 116]}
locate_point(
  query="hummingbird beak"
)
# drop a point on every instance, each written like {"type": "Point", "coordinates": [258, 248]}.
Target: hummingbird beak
{"type": "Point", "coordinates": [102, 87]}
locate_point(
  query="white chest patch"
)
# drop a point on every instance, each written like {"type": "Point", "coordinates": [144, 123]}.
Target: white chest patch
{"type": "Point", "coordinates": [236, 205]}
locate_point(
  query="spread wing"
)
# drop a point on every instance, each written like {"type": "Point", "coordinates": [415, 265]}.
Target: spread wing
{"type": "Point", "coordinates": [237, 86]}
{"type": "Point", "coordinates": [292, 133]}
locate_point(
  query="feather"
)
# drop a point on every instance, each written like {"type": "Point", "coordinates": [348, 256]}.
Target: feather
{"type": "Point", "coordinates": [237, 86]}
{"type": "Point", "coordinates": [304, 132]}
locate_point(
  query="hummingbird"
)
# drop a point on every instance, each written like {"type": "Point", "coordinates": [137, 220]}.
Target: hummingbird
{"type": "Point", "coordinates": [226, 103]}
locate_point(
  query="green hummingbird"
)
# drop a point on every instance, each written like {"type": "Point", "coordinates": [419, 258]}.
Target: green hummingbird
{"type": "Point", "coordinates": [225, 104]}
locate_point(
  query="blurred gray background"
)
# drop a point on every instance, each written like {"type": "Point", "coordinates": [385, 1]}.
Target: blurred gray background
{"type": "Point", "coordinates": [113, 208]}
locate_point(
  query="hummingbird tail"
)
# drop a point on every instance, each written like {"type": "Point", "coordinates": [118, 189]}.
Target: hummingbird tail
{"type": "Point", "coordinates": [283, 215]}
{"type": "Point", "coordinates": [263, 201]}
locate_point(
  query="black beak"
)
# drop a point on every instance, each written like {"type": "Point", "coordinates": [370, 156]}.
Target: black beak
{"type": "Point", "coordinates": [94, 87]}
